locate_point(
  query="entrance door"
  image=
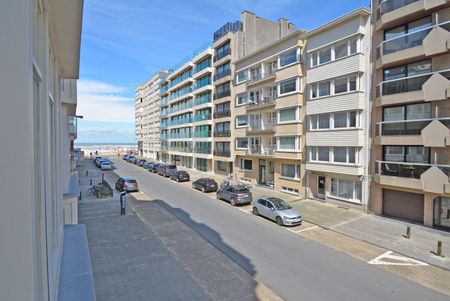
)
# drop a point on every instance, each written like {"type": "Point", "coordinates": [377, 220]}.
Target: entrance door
{"type": "Point", "coordinates": [262, 171]}
{"type": "Point", "coordinates": [403, 205]}
{"type": "Point", "coordinates": [442, 213]}
{"type": "Point", "coordinates": [321, 187]}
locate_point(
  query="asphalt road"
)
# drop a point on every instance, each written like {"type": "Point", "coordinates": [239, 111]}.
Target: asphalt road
{"type": "Point", "coordinates": [294, 267]}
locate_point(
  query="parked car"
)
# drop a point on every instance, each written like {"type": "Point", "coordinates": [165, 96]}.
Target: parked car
{"type": "Point", "coordinates": [127, 184]}
{"type": "Point", "coordinates": [105, 165]}
{"type": "Point", "coordinates": [141, 162]}
{"type": "Point", "coordinates": [134, 160]}
{"type": "Point", "coordinates": [180, 176]}
{"type": "Point", "coordinates": [205, 185]}
{"type": "Point", "coordinates": [96, 158]}
{"type": "Point", "coordinates": [236, 195]}
{"type": "Point", "coordinates": [130, 158]}
{"type": "Point", "coordinates": [153, 167]}
{"type": "Point", "coordinates": [125, 157]}
{"type": "Point", "coordinates": [100, 161]}
{"type": "Point", "coordinates": [147, 165]}
{"type": "Point", "coordinates": [277, 210]}
{"type": "Point", "coordinates": [168, 169]}
{"type": "Point", "coordinates": [161, 168]}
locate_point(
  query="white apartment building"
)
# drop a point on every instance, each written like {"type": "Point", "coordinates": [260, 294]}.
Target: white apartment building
{"type": "Point", "coordinates": [147, 98]}
{"type": "Point", "coordinates": [338, 86]}
{"type": "Point", "coordinates": [39, 65]}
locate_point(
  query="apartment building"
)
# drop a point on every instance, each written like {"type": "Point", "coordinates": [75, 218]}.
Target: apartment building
{"type": "Point", "coordinates": [411, 113]}
{"type": "Point", "coordinates": [268, 115]}
{"type": "Point", "coordinates": [39, 66]}
{"type": "Point", "coordinates": [147, 98]}
{"type": "Point", "coordinates": [186, 117]}
{"type": "Point", "coordinates": [337, 109]}
{"type": "Point", "coordinates": [231, 42]}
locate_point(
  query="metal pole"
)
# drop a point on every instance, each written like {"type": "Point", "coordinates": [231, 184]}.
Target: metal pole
{"type": "Point", "coordinates": [103, 177]}
{"type": "Point", "coordinates": [90, 182]}
{"type": "Point", "coordinates": [408, 232]}
{"type": "Point", "coordinates": [439, 249]}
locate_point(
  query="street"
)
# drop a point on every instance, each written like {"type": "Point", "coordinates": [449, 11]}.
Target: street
{"type": "Point", "coordinates": [293, 266]}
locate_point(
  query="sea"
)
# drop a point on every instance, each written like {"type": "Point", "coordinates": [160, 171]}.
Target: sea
{"type": "Point", "coordinates": [106, 147]}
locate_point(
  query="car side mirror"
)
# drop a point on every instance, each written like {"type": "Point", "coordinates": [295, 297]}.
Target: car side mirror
{"type": "Point", "coordinates": [272, 209]}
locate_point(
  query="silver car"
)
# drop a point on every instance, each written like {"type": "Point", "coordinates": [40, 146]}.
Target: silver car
{"type": "Point", "coordinates": [236, 195]}
{"type": "Point", "coordinates": [276, 210]}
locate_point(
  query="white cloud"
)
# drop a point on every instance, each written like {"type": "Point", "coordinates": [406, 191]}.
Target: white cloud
{"type": "Point", "coordinates": [99, 101]}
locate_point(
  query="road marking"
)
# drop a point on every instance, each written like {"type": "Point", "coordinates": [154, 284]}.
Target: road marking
{"type": "Point", "coordinates": [390, 258]}
{"type": "Point", "coordinates": [302, 230]}
{"type": "Point", "coordinates": [248, 211]}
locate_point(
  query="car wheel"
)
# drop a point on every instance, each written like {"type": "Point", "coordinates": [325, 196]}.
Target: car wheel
{"type": "Point", "coordinates": [232, 202]}
{"type": "Point", "coordinates": [218, 196]}
{"type": "Point", "coordinates": [279, 221]}
{"type": "Point", "coordinates": [203, 189]}
{"type": "Point", "coordinates": [178, 180]}
{"type": "Point", "coordinates": [255, 211]}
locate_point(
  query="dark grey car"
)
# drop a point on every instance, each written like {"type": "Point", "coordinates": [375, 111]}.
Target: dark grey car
{"type": "Point", "coordinates": [236, 195]}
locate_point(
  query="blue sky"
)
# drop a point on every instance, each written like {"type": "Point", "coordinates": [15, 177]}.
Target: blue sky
{"type": "Point", "coordinates": [125, 42]}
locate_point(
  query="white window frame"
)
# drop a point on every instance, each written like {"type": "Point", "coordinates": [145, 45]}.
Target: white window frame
{"type": "Point", "coordinates": [347, 148]}
{"type": "Point", "coordinates": [289, 190]}
{"type": "Point", "coordinates": [315, 149]}
{"type": "Point", "coordinates": [297, 54]}
{"type": "Point", "coordinates": [315, 86]}
{"type": "Point", "coordinates": [354, 199]}
{"type": "Point", "coordinates": [241, 126]}
{"type": "Point", "coordinates": [237, 145]}
{"type": "Point", "coordinates": [297, 86]}
{"type": "Point", "coordinates": [245, 94]}
{"type": "Point", "coordinates": [246, 76]}
{"type": "Point", "coordinates": [297, 171]}
{"type": "Point", "coordinates": [333, 54]}
{"type": "Point", "coordinates": [297, 115]}
{"type": "Point", "coordinates": [241, 164]}
{"type": "Point", "coordinates": [297, 144]}
{"type": "Point", "coordinates": [331, 122]}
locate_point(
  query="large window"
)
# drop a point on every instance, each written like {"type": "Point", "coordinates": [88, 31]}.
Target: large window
{"type": "Point", "coordinates": [411, 154]}
{"type": "Point", "coordinates": [337, 51]}
{"type": "Point", "coordinates": [289, 57]}
{"type": "Point", "coordinates": [241, 76]}
{"type": "Point", "coordinates": [290, 171]}
{"type": "Point", "coordinates": [334, 86]}
{"type": "Point", "coordinates": [222, 165]}
{"type": "Point", "coordinates": [241, 121]}
{"type": "Point", "coordinates": [319, 153]}
{"type": "Point", "coordinates": [287, 143]}
{"type": "Point", "coordinates": [241, 143]}
{"type": "Point", "coordinates": [344, 155]}
{"type": "Point", "coordinates": [395, 78]}
{"type": "Point", "coordinates": [339, 120]}
{"type": "Point", "coordinates": [287, 115]}
{"type": "Point", "coordinates": [241, 99]}
{"type": "Point", "coordinates": [348, 190]}
{"type": "Point", "coordinates": [202, 164]}
{"type": "Point", "coordinates": [246, 164]}
{"type": "Point", "coordinates": [288, 86]}
{"type": "Point", "coordinates": [408, 112]}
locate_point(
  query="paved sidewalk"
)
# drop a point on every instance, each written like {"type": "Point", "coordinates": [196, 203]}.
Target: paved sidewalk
{"type": "Point", "coordinates": [380, 231]}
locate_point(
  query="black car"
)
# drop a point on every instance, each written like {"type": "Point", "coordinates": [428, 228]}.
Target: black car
{"type": "Point", "coordinates": [153, 167]}
{"type": "Point", "coordinates": [161, 169]}
{"type": "Point", "coordinates": [180, 176]}
{"type": "Point", "coordinates": [125, 157]}
{"type": "Point", "coordinates": [130, 158]}
{"type": "Point", "coordinates": [147, 165]}
{"type": "Point", "coordinates": [205, 185]}
{"type": "Point", "coordinates": [127, 184]}
{"type": "Point", "coordinates": [141, 162]}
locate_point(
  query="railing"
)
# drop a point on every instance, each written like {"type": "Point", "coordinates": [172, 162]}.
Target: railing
{"type": "Point", "coordinates": [180, 121]}
{"type": "Point", "coordinates": [406, 169]}
{"type": "Point", "coordinates": [258, 74]}
{"type": "Point", "coordinates": [164, 136]}
{"type": "Point", "coordinates": [198, 85]}
{"type": "Point", "coordinates": [222, 74]}
{"type": "Point", "coordinates": [221, 114]}
{"type": "Point", "coordinates": [180, 135]}
{"type": "Point", "coordinates": [222, 152]}
{"type": "Point", "coordinates": [202, 134]}
{"type": "Point", "coordinates": [407, 127]}
{"type": "Point", "coordinates": [221, 55]}
{"type": "Point", "coordinates": [262, 125]}
{"type": "Point", "coordinates": [164, 124]}
{"type": "Point", "coordinates": [201, 100]}
{"type": "Point", "coordinates": [408, 40]}
{"type": "Point", "coordinates": [202, 150]}
{"type": "Point", "coordinates": [219, 95]}
{"type": "Point", "coordinates": [201, 117]}
{"type": "Point", "coordinates": [222, 133]}
{"type": "Point", "coordinates": [177, 108]}
{"type": "Point", "coordinates": [261, 101]}
{"type": "Point", "coordinates": [387, 6]}
{"type": "Point", "coordinates": [264, 150]}
{"type": "Point", "coordinates": [182, 149]}
{"type": "Point", "coordinates": [228, 27]}
{"type": "Point", "coordinates": [199, 68]}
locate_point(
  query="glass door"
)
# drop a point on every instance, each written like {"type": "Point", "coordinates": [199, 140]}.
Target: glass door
{"type": "Point", "coordinates": [442, 213]}
{"type": "Point", "coordinates": [321, 187]}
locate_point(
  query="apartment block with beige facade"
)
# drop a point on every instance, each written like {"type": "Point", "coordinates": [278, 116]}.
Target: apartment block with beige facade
{"type": "Point", "coordinates": [268, 115]}
{"type": "Point", "coordinates": [147, 98]}
{"type": "Point", "coordinates": [338, 89]}
{"type": "Point", "coordinates": [411, 111]}
{"type": "Point", "coordinates": [186, 117]}
{"type": "Point", "coordinates": [232, 42]}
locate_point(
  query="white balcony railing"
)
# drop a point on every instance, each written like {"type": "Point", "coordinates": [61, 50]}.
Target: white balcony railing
{"type": "Point", "coordinates": [262, 125]}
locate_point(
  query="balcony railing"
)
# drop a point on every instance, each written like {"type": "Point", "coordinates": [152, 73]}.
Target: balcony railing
{"type": "Point", "coordinates": [222, 152]}
{"type": "Point", "coordinates": [180, 121]}
{"type": "Point", "coordinates": [221, 55]}
{"type": "Point", "coordinates": [228, 27]}
{"type": "Point", "coordinates": [264, 150]}
{"type": "Point", "coordinates": [258, 74]}
{"type": "Point", "coordinates": [387, 6]}
{"type": "Point", "coordinates": [182, 149]}
{"type": "Point", "coordinates": [222, 133]}
{"type": "Point", "coordinates": [220, 114]}
{"type": "Point", "coordinates": [408, 40]}
{"type": "Point", "coordinates": [407, 127]}
{"type": "Point", "coordinates": [261, 101]}
{"type": "Point", "coordinates": [202, 134]}
{"type": "Point", "coordinates": [262, 125]}
{"type": "Point", "coordinates": [221, 94]}
{"type": "Point", "coordinates": [202, 150]}
{"type": "Point", "coordinates": [222, 74]}
{"type": "Point", "coordinates": [180, 135]}
{"type": "Point", "coordinates": [202, 100]}
{"type": "Point", "coordinates": [406, 169]}
{"type": "Point", "coordinates": [406, 84]}
{"type": "Point", "coordinates": [202, 117]}
{"type": "Point", "coordinates": [164, 124]}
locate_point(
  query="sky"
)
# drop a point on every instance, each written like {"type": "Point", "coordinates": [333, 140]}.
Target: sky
{"type": "Point", "coordinates": [125, 41]}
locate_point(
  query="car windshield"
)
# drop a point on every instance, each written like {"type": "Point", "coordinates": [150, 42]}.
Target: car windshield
{"type": "Point", "coordinates": [241, 189]}
{"type": "Point", "coordinates": [130, 181]}
{"type": "Point", "coordinates": [280, 204]}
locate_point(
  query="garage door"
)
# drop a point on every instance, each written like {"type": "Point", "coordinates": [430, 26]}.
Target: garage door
{"type": "Point", "coordinates": [403, 205]}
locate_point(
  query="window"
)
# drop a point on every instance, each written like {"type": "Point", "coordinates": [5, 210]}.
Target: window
{"type": "Point", "coordinates": [340, 50]}
{"type": "Point", "coordinates": [288, 143]}
{"type": "Point", "coordinates": [202, 164]}
{"type": "Point", "coordinates": [402, 71]}
{"type": "Point", "coordinates": [288, 86]}
{"type": "Point", "coordinates": [349, 190]}
{"type": "Point", "coordinates": [319, 153]}
{"type": "Point", "coordinates": [412, 154]}
{"type": "Point", "coordinates": [242, 143]}
{"type": "Point", "coordinates": [407, 112]}
{"type": "Point", "coordinates": [290, 171]}
{"type": "Point", "coordinates": [241, 99]}
{"type": "Point", "coordinates": [221, 165]}
{"type": "Point", "coordinates": [344, 155]}
{"type": "Point", "coordinates": [286, 115]}
{"type": "Point", "coordinates": [337, 51]}
{"type": "Point", "coordinates": [241, 76]}
{"type": "Point", "coordinates": [338, 85]}
{"type": "Point", "coordinates": [324, 89]}
{"type": "Point", "coordinates": [241, 121]}
{"type": "Point", "coordinates": [246, 164]}
{"type": "Point", "coordinates": [320, 122]}
{"type": "Point", "coordinates": [340, 120]}
{"type": "Point", "coordinates": [324, 55]}
{"type": "Point", "coordinates": [288, 58]}
{"type": "Point", "coordinates": [289, 190]}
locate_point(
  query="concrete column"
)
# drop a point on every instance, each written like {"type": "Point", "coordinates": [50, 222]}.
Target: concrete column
{"type": "Point", "coordinates": [428, 209]}
{"type": "Point", "coordinates": [376, 202]}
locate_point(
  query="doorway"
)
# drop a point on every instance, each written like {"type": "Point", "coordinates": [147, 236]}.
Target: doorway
{"type": "Point", "coordinates": [262, 171]}
{"type": "Point", "coordinates": [321, 187]}
{"type": "Point", "coordinates": [441, 216]}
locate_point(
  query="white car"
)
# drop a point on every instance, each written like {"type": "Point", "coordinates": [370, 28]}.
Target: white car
{"type": "Point", "coordinates": [105, 165]}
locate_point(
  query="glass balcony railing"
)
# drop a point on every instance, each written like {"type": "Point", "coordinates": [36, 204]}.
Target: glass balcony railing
{"type": "Point", "coordinates": [180, 135]}
{"type": "Point", "coordinates": [222, 54]}
{"type": "Point", "coordinates": [257, 74]}
{"type": "Point", "coordinates": [202, 66]}
{"type": "Point", "coordinates": [222, 133]}
{"type": "Point", "coordinates": [262, 125]}
{"type": "Point", "coordinates": [164, 136]}
{"type": "Point", "coordinates": [406, 169]}
{"type": "Point", "coordinates": [202, 117]}
{"type": "Point", "coordinates": [181, 107]}
{"type": "Point", "coordinates": [220, 114]}
{"type": "Point", "coordinates": [202, 100]}
{"type": "Point", "coordinates": [221, 94]}
{"type": "Point", "coordinates": [387, 6]}
{"type": "Point", "coordinates": [164, 124]}
{"type": "Point", "coordinates": [202, 150]}
{"type": "Point", "coordinates": [202, 134]}
{"type": "Point", "coordinates": [228, 27]}
{"type": "Point", "coordinates": [222, 152]}
{"type": "Point", "coordinates": [222, 74]}
{"type": "Point", "coordinates": [180, 121]}
{"type": "Point", "coordinates": [407, 127]}
{"type": "Point", "coordinates": [182, 149]}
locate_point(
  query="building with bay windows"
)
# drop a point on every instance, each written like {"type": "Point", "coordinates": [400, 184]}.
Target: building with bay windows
{"type": "Point", "coordinates": [411, 113]}
{"type": "Point", "coordinates": [268, 115]}
{"type": "Point", "coordinates": [337, 109]}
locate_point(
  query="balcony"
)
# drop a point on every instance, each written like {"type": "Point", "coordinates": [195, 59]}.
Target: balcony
{"type": "Point", "coordinates": [202, 150]}
{"type": "Point", "coordinates": [202, 117]}
{"type": "Point", "coordinates": [433, 132]}
{"type": "Point", "coordinates": [202, 100]}
{"type": "Point", "coordinates": [259, 102]}
{"type": "Point", "coordinates": [221, 114]}
{"type": "Point", "coordinates": [424, 42]}
{"type": "Point", "coordinates": [222, 74]}
{"type": "Point", "coordinates": [222, 133]}
{"type": "Point", "coordinates": [228, 27]}
{"type": "Point", "coordinates": [222, 94]}
{"type": "Point", "coordinates": [181, 149]}
{"type": "Point", "coordinates": [221, 55]}
{"type": "Point", "coordinates": [222, 152]}
{"type": "Point", "coordinates": [433, 178]}
{"type": "Point", "coordinates": [72, 124]}
{"type": "Point", "coordinates": [262, 125]}
{"type": "Point", "coordinates": [261, 150]}
{"type": "Point", "coordinates": [202, 134]}
{"type": "Point", "coordinates": [180, 135]}
{"type": "Point", "coordinates": [433, 86]}
{"type": "Point", "coordinates": [258, 76]}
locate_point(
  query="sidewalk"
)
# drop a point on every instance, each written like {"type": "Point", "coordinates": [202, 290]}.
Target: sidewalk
{"type": "Point", "coordinates": [380, 231]}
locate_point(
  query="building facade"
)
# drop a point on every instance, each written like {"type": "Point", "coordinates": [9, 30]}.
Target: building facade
{"type": "Point", "coordinates": [40, 64]}
{"type": "Point", "coordinates": [268, 116]}
{"type": "Point", "coordinates": [411, 113]}
{"type": "Point", "coordinates": [338, 89]}
{"type": "Point", "coordinates": [147, 98]}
